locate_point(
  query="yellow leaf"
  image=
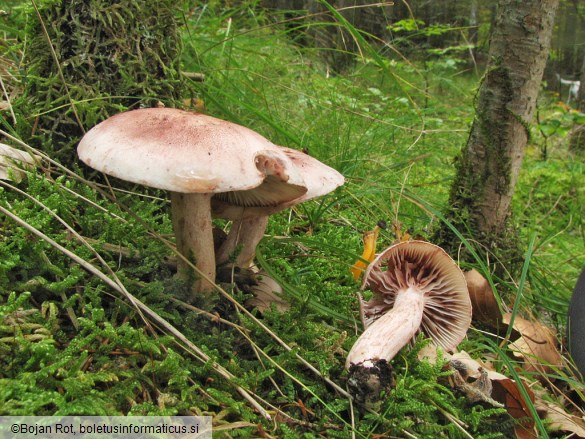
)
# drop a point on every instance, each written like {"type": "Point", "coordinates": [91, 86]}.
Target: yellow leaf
{"type": "Point", "coordinates": [369, 253]}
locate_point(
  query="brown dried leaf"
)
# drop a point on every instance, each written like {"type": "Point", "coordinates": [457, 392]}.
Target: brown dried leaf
{"type": "Point", "coordinates": [537, 345]}
{"type": "Point", "coordinates": [559, 419]}
{"type": "Point", "coordinates": [508, 393]}
{"type": "Point", "coordinates": [267, 292]}
{"type": "Point", "coordinates": [484, 303]}
{"type": "Point", "coordinates": [525, 433]}
{"type": "Point", "coordinates": [503, 390]}
{"type": "Point", "coordinates": [473, 366]}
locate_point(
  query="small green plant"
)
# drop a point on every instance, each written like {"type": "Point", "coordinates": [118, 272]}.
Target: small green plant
{"type": "Point", "coordinates": [557, 125]}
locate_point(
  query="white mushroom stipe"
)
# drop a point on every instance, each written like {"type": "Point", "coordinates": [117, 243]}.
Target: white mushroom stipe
{"type": "Point", "coordinates": [386, 336]}
{"type": "Point", "coordinates": [191, 217]}
{"type": "Point", "coordinates": [244, 236]}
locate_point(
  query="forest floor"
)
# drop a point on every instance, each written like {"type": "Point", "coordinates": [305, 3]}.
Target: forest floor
{"type": "Point", "coordinates": [70, 344]}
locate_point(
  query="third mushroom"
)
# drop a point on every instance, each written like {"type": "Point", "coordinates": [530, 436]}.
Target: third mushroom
{"type": "Point", "coordinates": [416, 287]}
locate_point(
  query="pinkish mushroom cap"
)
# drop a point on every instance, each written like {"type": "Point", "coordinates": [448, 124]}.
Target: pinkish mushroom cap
{"type": "Point", "coordinates": [250, 221]}
{"type": "Point", "coordinates": [186, 152]}
{"type": "Point", "coordinates": [319, 178]}
{"type": "Point", "coordinates": [197, 158]}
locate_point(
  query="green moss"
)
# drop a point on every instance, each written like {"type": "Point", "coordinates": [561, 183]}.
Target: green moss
{"type": "Point", "coordinates": [78, 347]}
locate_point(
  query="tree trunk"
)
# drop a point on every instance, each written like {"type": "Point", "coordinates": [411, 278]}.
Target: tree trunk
{"type": "Point", "coordinates": [577, 142]}
{"type": "Point", "coordinates": [488, 166]}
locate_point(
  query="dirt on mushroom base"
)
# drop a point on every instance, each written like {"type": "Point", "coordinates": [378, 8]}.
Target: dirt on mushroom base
{"type": "Point", "coordinates": [369, 385]}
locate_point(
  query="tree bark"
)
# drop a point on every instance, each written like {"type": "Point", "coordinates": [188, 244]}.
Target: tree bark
{"type": "Point", "coordinates": [488, 166]}
{"type": "Point", "coordinates": [107, 56]}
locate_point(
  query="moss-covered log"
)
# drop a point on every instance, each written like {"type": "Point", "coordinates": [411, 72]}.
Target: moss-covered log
{"type": "Point", "coordinates": [108, 56]}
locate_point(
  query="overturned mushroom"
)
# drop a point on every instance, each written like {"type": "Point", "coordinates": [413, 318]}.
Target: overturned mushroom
{"type": "Point", "coordinates": [198, 158]}
{"type": "Point", "coordinates": [416, 287]}
{"type": "Point", "coordinates": [250, 219]}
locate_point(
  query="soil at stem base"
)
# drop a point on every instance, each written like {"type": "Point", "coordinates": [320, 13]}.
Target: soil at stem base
{"type": "Point", "coordinates": [370, 384]}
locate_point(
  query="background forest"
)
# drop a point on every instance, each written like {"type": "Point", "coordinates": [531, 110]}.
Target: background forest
{"type": "Point", "coordinates": [384, 93]}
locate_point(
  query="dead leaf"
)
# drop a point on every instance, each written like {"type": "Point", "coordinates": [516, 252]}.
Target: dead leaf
{"type": "Point", "coordinates": [473, 366]}
{"type": "Point", "coordinates": [13, 160]}
{"type": "Point", "coordinates": [504, 391]}
{"type": "Point", "coordinates": [267, 292]}
{"type": "Point", "coordinates": [524, 433]}
{"type": "Point", "coordinates": [559, 420]}
{"type": "Point", "coordinates": [537, 345]}
{"type": "Point", "coordinates": [508, 393]}
{"type": "Point", "coordinates": [483, 301]}
{"type": "Point", "coordinates": [474, 378]}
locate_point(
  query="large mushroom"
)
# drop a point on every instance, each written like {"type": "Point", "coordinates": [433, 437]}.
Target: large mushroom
{"type": "Point", "coordinates": [249, 221]}
{"type": "Point", "coordinates": [197, 158]}
{"type": "Point", "coordinates": [416, 287]}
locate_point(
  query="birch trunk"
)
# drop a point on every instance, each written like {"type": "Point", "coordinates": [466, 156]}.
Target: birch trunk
{"type": "Point", "coordinates": [488, 167]}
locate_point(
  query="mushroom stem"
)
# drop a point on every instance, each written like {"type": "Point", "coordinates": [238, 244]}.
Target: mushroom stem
{"type": "Point", "coordinates": [245, 233]}
{"type": "Point", "coordinates": [191, 216]}
{"type": "Point", "coordinates": [386, 336]}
